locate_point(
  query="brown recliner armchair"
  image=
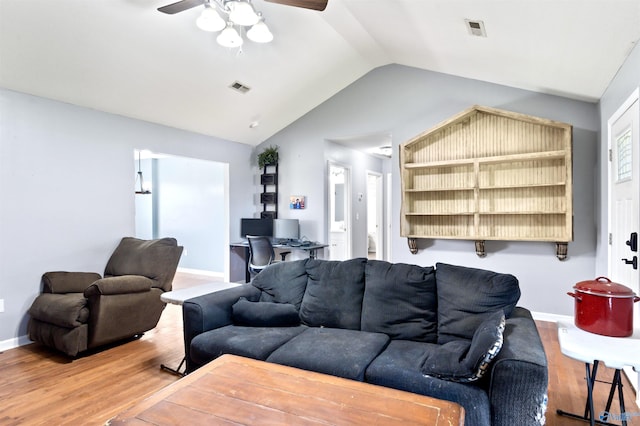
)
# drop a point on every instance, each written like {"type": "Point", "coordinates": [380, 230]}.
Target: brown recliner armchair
{"type": "Point", "coordinates": [77, 311]}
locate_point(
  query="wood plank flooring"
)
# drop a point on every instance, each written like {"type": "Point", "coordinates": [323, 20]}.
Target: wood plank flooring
{"type": "Point", "coordinates": [39, 386]}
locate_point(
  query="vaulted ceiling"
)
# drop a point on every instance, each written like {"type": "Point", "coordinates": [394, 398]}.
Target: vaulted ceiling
{"type": "Point", "coordinates": [125, 57]}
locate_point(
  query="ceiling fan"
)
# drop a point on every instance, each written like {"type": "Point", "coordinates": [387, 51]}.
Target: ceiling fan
{"type": "Point", "coordinates": [183, 5]}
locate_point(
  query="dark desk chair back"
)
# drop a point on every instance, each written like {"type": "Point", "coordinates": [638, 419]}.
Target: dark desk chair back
{"type": "Point", "coordinates": [261, 253]}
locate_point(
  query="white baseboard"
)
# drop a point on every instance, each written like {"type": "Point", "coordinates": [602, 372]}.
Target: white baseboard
{"type": "Point", "coordinates": [201, 272]}
{"type": "Point", "coordinates": [5, 345]}
{"type": "Point", "coordinates": [543, 316]}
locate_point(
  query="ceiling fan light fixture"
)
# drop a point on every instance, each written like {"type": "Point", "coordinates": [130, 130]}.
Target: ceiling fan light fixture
{"type": "Point", "coordinates": [260, 33]}
{"type": "Point", "coordinates": [229, 37]}
{"type": "Point", "coordinates": [242, 13]}
{"type": "Point", "coordinates": [210, 20]}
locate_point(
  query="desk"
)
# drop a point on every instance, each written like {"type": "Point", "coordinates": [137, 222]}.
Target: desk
{"type": "Point", "coordinates": [236, 390]}
{"type": "Point", "coordinates": [615, 352]}
{"type": "Point", "coordinates": [177, 297]}
{"type": "Point", "coordinates": [239, 259]}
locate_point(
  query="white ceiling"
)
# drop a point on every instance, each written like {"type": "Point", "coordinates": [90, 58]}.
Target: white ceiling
{"type": "Point", "coordinates": [125, 57]}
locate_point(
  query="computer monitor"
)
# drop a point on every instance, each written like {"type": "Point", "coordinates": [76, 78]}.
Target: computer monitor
{"type": "Point", "coordinates": [286, 229]}
{"type": "Point", "coordinates": [257, 227]}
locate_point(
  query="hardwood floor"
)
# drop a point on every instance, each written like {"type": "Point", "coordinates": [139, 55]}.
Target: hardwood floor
{"type": "Point", "coordinates": [39, 386]}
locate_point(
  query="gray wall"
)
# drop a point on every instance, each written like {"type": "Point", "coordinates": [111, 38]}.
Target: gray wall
{"type": "Point", "coordinates": [406, 101]}
{"type": "Point", "coordinates": [66, 199]}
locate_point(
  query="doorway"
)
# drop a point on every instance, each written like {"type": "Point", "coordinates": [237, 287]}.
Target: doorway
{"type": "Point", "coordinates": [338, 217]}
{"type": "Point", "coordinates": [624, 193]}
{"type": "Point", "coordinates": [375, 230]}
{"type": "Point", "coordinates": [185, 198]}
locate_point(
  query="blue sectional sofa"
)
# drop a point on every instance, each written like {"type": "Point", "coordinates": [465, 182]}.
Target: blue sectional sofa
{"type": "Point", "coordinates": [449, 332]}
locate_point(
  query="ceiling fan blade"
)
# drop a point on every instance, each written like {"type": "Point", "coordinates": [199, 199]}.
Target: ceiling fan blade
{"type": "Point", "coordinates": [307, 4]}
{"type": "Point", "coordinates": [180, 6]}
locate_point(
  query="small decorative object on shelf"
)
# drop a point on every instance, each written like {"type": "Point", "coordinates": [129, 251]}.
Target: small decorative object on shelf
{"type": "Point", "coordinates": [489, 174]}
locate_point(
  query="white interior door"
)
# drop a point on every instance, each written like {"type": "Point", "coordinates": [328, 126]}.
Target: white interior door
{"type": "Point", "coordinates": [624, 190]}
{"type": "Point", "coordinates": [338, 217]}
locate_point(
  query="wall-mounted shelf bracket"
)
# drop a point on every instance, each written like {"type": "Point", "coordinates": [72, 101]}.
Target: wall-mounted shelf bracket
{"type": "Point", "coordinates": [413, 245]}
{"type": "Point", "coordinates": [480, 249]}
{"type": "Point", "coordinates": [561, 250]}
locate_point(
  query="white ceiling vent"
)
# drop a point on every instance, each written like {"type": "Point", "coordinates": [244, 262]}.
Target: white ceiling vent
{"type": "Point", "coordinates": [475, 27]}
{"type": "Point", "coordinates": [239, 87]}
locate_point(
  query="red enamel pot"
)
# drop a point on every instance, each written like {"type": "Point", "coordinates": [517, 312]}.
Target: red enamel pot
{"type": "Point", "coordinates": [604, 307]}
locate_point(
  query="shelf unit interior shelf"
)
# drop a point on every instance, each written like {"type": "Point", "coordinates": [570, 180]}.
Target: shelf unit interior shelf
{"type": "Point", "coordinates": [269, 195]}
{"type": "Point", "coordinates": [489, 174]}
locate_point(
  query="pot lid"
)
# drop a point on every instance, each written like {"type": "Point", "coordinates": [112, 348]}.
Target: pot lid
{"type": "Point", "coordinates": [603, 286]}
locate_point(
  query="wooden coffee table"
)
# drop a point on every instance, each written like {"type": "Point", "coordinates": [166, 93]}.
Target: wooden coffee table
{"type": "Point", "coordinates": [236, 390]}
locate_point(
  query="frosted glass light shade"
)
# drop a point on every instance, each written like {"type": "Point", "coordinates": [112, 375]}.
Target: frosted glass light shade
{"type": "Point", "coordinates": [210, 20]}
{"type": "Point", "coordinates": [229, 37]}
{"type": "Point", "coordinates": [260, 33]}
{"type": "Point", "coordinates": [242, 13]}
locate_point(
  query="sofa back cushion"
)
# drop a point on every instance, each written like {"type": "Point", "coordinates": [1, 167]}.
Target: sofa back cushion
{"type": "Point", "coordinates": [282, 282]}
{"type": "Point", "coordinates": [400, 301]}
{"type": "Point", "coordinates": [334, 293]}
{"type": "Point", "coordinates": [467, 296]}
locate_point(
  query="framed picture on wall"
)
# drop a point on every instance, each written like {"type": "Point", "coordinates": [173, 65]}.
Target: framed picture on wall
{"type": "Point", "coordinates": [296, 202]}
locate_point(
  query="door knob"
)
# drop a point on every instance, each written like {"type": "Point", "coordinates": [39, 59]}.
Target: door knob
{"type": "Point", "coordinates": [632, 242]}
{"type": "Point", "coordinates": [633, 262]}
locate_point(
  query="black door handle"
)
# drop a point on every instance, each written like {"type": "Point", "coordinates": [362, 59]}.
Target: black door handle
{"type": "Point", "coordinates": [633, 262]}
{"type": "Point", "coordinates": [632, 242]}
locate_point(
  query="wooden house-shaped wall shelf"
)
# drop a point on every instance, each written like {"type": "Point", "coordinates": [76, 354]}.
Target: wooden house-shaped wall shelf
{"type": "Point", "coordinates": [489, 174]}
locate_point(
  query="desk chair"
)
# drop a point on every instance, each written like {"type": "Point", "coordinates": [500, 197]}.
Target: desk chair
{"type": "Point", "coordinates": [261, 253]}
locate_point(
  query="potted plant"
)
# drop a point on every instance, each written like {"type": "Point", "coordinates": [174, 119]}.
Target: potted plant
{"type": "Point", "coordinates": [268, 157]}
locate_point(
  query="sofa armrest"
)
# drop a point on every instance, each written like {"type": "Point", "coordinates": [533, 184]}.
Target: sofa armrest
{"type": "Point", "coordinates": [59, 282]}
{"type": "Point", "coordinates": [518, 380]}
{"type": "Point", "coordinates": [211, 311]}
{"type": "Point", "coordinates": [124, 284]}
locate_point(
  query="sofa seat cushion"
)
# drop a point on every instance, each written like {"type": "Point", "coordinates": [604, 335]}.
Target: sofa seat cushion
{"type": "Point", "coordinates": [399, 367]}
{"type": "Point", "coordinates": [338, 352]}
{"type": "Point", "coordinates": [264, 314]}
{"type": "Point", "coordinates": [400, 301]}
{"type": "Point", "coordinates": [467, 361]}
{"type": "Point", "coordinates": [467, 296]}
{"type": "Point", "coordinates": [334, 293]}
{"type": "Point", "coordinates": [250, 342]}
{"type": "Point", "coordinates": [64, 310]}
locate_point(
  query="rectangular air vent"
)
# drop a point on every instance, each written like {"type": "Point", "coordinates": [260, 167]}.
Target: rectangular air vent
{"type": "Point", "coordinates": [236, 85]}
{"type": "Point", "coordinates": [475, 27]}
